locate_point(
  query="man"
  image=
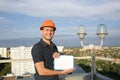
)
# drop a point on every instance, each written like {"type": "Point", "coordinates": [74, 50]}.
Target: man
{"type": "Point", "coordinates": [44, 52]}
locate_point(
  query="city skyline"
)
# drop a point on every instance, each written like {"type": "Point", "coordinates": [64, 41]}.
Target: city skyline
{"type": "Point", "coordinates": [22, 19]}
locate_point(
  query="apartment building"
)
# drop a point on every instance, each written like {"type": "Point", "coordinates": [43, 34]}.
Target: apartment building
{"type": "Point", "coordinates": [3, 52]}
{"type": "Point", "coordinates": [22, 68]}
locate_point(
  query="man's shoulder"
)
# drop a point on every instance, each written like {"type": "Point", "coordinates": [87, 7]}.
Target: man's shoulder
{"type": "Point", "coordinates": [36, 45]}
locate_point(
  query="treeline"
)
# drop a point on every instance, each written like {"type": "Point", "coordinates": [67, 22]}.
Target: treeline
{"type": "Point", "coordinates": [106, 68]}
{"type": "Point", "coordinates": [5, 68]}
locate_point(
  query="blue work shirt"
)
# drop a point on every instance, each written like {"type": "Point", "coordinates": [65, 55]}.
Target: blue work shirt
{"type": "Point", "coordinates": [41, 51]}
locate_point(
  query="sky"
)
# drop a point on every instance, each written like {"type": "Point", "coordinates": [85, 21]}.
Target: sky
{"type": "Point", "coordinates": [23, 18]}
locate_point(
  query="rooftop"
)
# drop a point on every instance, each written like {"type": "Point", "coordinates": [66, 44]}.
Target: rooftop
{"type": "Point", "coordinates": [78, 74]}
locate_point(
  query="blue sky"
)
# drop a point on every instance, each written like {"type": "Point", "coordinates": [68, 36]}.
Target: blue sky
{"type": "Point", "coordinates": [22, 18]}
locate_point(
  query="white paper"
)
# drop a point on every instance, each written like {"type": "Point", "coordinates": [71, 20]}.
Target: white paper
{"type": "Point", "coordinates": [64, 62]}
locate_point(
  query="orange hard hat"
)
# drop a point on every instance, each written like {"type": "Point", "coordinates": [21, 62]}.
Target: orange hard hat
{"type": "Point", "coordinates": [48, 23]}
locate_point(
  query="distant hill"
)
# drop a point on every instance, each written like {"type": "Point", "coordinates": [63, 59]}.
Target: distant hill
{"type": "Point", "coordinates": [18, 42]}
{"type": "Point", "coordinates": [61, 41]}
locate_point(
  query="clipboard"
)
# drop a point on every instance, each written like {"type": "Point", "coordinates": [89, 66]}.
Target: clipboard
{"type": "Point", "coordinates": [64, 62]}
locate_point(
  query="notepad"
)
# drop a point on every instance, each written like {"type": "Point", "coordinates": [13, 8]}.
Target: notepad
{"type": "Point", "coordinates": [64, 62]}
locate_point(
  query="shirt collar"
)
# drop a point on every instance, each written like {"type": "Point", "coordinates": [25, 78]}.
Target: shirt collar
{"type": "Point", "coordinates": [45, 44]}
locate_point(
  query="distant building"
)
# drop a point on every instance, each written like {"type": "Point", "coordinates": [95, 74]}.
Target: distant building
{"type": "Point", "coordinates": [22, 68]}
{"type": "Point", "coordinates": [60, 48]}
{"type": "Point", "coordinates": [3, 52]}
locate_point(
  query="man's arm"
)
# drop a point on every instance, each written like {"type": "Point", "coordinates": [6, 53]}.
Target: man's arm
{"type": "Point", "coordinates": [48, 72]}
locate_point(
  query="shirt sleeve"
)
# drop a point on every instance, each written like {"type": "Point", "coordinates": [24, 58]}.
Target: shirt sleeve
{"type": "Point", "coordinates": [55, 48]}
{"type": "Point", "coordinates": [37, 54]}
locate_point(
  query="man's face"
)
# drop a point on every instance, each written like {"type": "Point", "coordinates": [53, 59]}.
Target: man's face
{"type": "Point", "coordinates": [47, 33]}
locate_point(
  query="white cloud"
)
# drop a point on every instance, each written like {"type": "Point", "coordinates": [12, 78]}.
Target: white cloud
{"type": "Point", "coordinates": [4, 20]}
{"type": "Point", "coordinates": [114, 32]}
{"type": "Point", "coordinates": [26, 30]}
{"type": "Point", "coordinates": [109, 9]}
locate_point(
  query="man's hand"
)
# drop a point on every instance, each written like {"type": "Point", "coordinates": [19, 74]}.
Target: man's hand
{"type": "Point", "coordinates": [67, 71]}
{"type": "Point", "coordinates": [56, 55]}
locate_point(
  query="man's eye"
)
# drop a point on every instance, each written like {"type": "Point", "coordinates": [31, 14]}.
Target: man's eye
{"type": "Point", "coordinates": [52, 30]}
{"type": "Point", "coordinates": [46, 29]}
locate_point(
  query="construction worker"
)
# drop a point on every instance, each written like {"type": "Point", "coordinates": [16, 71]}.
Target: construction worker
{"type": "Point", "coordinates": [44, 52]}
